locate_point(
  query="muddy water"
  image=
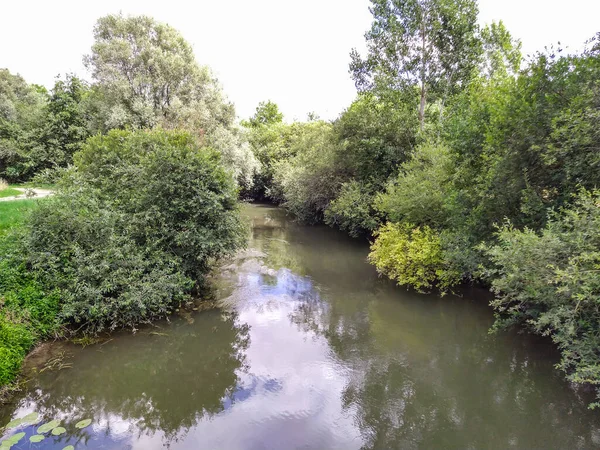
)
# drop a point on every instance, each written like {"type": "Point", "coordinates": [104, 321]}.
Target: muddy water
{"type": "Point", "coordinates": [310, 350]}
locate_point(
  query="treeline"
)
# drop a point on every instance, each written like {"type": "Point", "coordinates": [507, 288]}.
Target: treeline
{"type": "Point", "coordinates": [144, 76]}
{"type": "Point", "coordinates": [462, 162]}
{"type": "Point", "coordinates": [147, 162]}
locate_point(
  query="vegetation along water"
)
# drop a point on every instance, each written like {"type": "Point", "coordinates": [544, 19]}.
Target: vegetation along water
{"type": "Point", "coordinates": [421, 272]}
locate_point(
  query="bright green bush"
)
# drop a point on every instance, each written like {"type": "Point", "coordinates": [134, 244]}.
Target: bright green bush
{"type": "Point", "coordinates": [352, 210]}
{"type": "Point", "coordinates": [549, 281]}
{"type": "Point", "coordinates": [412, 257]}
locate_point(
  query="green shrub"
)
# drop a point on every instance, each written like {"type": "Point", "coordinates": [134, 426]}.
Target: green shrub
{"type": "Point", "coordinates": [549, 282]}
{"type": "Point", "coordinates": [15, 341]}
{"type": "Point", "coordinates": [421, 190]}
{"type": "Point", "coordinates": [135, 225]}
{"type": "Point", "coordinates": [351, 211]}
{"type": "Point", "coordinates": [412, 257]}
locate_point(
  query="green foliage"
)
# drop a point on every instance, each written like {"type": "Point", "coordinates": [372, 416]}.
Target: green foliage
{"type": "Point", "coordinates": [135, 224]}
{"type": "Point", "coordinates": [549, 281]}
{"type": "Point", "coordinates": [309, 181]}
{"type": "Point", "coordinates": [351, 211]}
{"type": "Point", "coordinates": [375, 135]}
{"type": "Point", "coordinates": [146, 76]}
{"type": "Point", "coordinates": [420, 192]}
{"type": "Point", "coordinates": [267, 113]}
{"type": "Point", "coordinates": [176, 196]}
{"type": "Point", "coordinates": [429, 45]}
{"type": "Point", "coordinates": [22, 118]}
{"type": "Point", "coordinates": [412, 257]}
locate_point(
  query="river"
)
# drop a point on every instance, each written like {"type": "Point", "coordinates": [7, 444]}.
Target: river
{"type": "Point", "coordinates": [309, 349]}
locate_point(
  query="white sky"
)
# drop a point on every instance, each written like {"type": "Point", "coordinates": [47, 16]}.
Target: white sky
{"type": "Point", "coordinates": [292, 52]}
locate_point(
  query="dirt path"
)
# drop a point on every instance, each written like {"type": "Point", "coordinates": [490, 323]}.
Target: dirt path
{"type": "Point", "coordinates": [37, 193]}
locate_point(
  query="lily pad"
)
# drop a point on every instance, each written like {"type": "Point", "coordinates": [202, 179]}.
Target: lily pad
{"type": "Point", "coordinates": [48, 426]}
{"type": "Point", "coordinates": [37, 438]}
{"type": "Point", "coordinates": [8, 443]}
{"type": "Point", "coordinates": [58, 431]}
{"type": "Point", "coordinates": [31, 418]}
{"type": "Point", "coordinates": [69, 447]}
{"type": "Point", "coordinates": [14, 423]}
{"type": "Point", "coordinates": [83, 423]}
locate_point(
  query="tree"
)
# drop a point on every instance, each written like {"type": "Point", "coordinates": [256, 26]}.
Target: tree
{"type": "Point", "coordinates": [267, 113]}
{"type": "Point", "coordinates": [66, 124]}
{"type": "Point", "coordinates": [148, 76]}
{"type": "Point", "coordinates": [22, 118]}
{"type": "Point", "coordinates": [429, 44]}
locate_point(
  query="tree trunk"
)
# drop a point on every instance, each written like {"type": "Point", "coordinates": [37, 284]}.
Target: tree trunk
{"type": "Point", "coordinates": [423, 71]}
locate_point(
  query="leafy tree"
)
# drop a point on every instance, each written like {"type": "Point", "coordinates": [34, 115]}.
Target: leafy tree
{"type": "Point", "coordinates": [306, 183]}
{"type": "Point", "coordinates": [352, 210]}
{"type": "Point", "coordinates": [22, 118]}
{"type": "Point", "coordinates": [149, 76]}
{"type": "Point", "coordinates": [431, 45]}
{"type": "Point", "coordinates": [501, 53]}
{"type": "Point", "coordinates": [146, 76]}
{"type": "Point", "coordinates": [267, 113]}
{"type": "Point", "coordinates": [375, 135]}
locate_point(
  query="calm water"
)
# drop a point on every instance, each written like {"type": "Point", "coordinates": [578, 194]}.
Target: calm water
{"type": "Point", "coordinates": [310, 350]}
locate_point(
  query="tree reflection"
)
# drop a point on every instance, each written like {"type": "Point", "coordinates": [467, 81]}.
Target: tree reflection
{"type": "Point", "coordinates": [426, 374]}
{"type": "Point", "coordinates": [163, 379]}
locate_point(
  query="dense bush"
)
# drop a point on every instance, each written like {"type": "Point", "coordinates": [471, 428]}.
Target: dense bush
{"type": "Point", "coordinates": [421, 190]}
{"type": "Point", "coordinates": [549, 282]}
{"type": "Point", "coordinates": [135, 225]}
{"type": "Point", "coordinates": [412, 256]}
{"type": "Point", "coordinates": [352, 210]}
{"type": "Point", "coordinates": [308, 182]}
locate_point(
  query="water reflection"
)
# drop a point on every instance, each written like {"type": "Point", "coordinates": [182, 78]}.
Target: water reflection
{"type": "Point", "coordinates": [312, 350]}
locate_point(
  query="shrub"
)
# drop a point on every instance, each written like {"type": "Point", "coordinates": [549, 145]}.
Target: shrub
{"type": "Point", "coordinates": [549, 282]}
{"type": "Point", "coordinates": [178, 198]}
{"type": "Point", "coordinates": [412, 257]}
{"type": "Point", "coordinates": [352, 211]}
{"type": "Point", "coordinates": [421, 189]}
{"type": "Point", "coordinates": [135, 225]}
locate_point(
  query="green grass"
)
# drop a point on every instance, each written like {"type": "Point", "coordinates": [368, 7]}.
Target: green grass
{"type": "Point", "coordinates": [13, 213]}
{"type": "Point", "coordinates": [10, 192]}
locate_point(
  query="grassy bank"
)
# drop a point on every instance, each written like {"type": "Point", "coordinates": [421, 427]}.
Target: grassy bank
{"type": "Point", "coordinates": [13, 213]}
{"type": "Point", "coordinates": [27, 310]}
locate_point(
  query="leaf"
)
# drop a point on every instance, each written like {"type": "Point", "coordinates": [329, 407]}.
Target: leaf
{"type": "Point", "coordinates": [8, 443]}
{"type": "Point", "coordinates": [48, 426]}
{"type": "Point", "coordinates": [31, 418]}
{"type": "Point", "coordinates": [14, 423]}
{"type": "Point", "coordinates": [58, 431]}
{"type": "Point", "coordinates": [37, 438]}
{"type": "Point", "coordinates": [83, 423]}
{"type": "Point", "coordinates": [69, 447]}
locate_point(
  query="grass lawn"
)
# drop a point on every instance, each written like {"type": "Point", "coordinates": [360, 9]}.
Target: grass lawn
{"type": "Point", "coordinates": [10, 192]}
{"type": "Point", "coordinates": [12, 213]}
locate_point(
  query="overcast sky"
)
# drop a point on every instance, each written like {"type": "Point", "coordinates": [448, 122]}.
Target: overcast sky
{"type": "Point", "coordinates": [292, 52]}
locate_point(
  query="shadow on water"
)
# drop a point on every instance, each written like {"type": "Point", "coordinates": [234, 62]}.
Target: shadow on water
{"type": "Point", "coordinates": [311, 349]}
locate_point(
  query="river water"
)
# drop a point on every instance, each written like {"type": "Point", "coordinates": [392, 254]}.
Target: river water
{"type": "Point", "coordinates": [310, 349]}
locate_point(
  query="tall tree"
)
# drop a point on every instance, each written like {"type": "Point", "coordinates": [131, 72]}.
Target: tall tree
{"type": "Point", "coordinates": [429, 44]}
{"type": "Point", "coordinates": [148, 75]}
